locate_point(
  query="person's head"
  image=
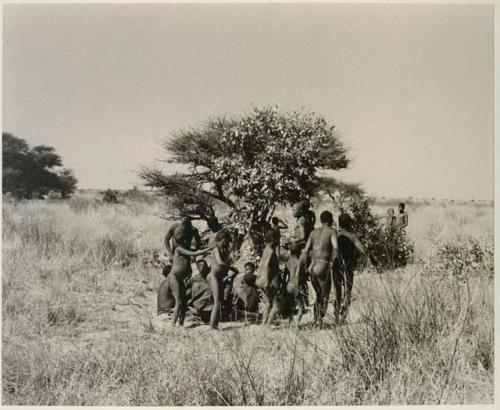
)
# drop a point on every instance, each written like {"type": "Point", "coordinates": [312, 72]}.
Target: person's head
{"type": "Point", "coordinates": [294, 249]}
{"type": "Point", "coordinates": [270, 238]}
{"type": "Point", "coordinates": [401, 207]}
{"type": "Point", "coordinates": [299, 208]}
{"type": "Point", "coordinates": [249, 279]}
{"type": "Point", "coordinates": [249, 268]}
{"type": "Point", "coordinates": [181, 236]}
{"type": "Point", "coordinates": [223, 239]}
{"type": "Point", "coordinates": [213, 224]}
{"type": "Point", "coordinates": [326, 217]}
{"type": "Point", "coordinates": [390, 212]}
{"type": "Point", "coordinates": [311, 216]}
{"type": "Point", "coordinates": [186, 220]}
{"type": "Point", "coordinates": [345, 221]}
{"type": "Point", "coordinates": [202, 266]}
{"type": "Point", "coordinates": [275, 221]}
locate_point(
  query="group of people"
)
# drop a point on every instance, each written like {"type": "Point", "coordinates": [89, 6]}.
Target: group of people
{"type": "Point", "coordinates": [398, 221]}
{"type": "Point", "coordinates": [325, 255]}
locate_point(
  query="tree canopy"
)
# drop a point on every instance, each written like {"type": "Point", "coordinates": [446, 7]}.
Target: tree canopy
{"type": "Point", "coordinates": [29, 173]}
{"type": "Point", "coordinates": [249, 163]}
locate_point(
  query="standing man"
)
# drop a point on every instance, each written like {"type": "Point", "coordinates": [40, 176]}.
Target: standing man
{"type": "Point", "coordinates": [323, 243]}
{"type": "Point", "coordinates": [303, 226]}
{"type": "Point", "coordinates": [350, 250]}
{"type": "Point", "coordinates": [193, 236]}
{"type": "Point", "coordinates": [402, 217]}
{"type": "Point", "coordinates": [301, 232]}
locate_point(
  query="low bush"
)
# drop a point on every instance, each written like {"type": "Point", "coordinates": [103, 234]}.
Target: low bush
{"type": "Point", "coordinates": [387, 247]}
{"type": "Point", "coordinates": [462, 255]}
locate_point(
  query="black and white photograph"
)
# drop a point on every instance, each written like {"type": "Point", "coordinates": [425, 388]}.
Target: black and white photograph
{"type": "Point", "coordinates": [247, 204]}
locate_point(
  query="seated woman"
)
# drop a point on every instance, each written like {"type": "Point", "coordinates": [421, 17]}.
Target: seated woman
{"type": "Point", "coordinates": [201, 294]}
{"type": "Point", "coordinates": [246, 296]}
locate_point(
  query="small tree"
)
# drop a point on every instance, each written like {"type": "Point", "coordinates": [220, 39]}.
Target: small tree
{"type": "Point", "coordinates": [66, 183]}
{"type": "Point", "coordinates": [249, 164]}
{"type": "Point", "coordinates": [33, 172]}
{"type": "Point", "coordinates": [109, 196]}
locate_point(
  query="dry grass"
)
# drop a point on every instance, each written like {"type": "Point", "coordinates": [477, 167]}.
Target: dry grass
{"type": "Point", "coordinates": [76, 323]}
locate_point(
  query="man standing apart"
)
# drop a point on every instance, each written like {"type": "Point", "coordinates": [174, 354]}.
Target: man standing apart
{"type": "Point", "coordinates": [402, 217]}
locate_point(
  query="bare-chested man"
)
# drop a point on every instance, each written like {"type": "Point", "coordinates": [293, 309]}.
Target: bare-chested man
{"type": "Point", "coordinates": [181, 268]}
{"type": "Point", "coordinates": [193, 236]}
{"type": "Point", "coordinates": [220, 266]}
{"type": "Point", "coordinates": [303, 227]}
{"type": "Point", "coordinates": [350, 249]}
{"type": "Point", "coordinates": [269, 279]}
{"type": "Point", "coordinates": [401, 217]}
{"type": "Point", "coordinates": [323, 243]}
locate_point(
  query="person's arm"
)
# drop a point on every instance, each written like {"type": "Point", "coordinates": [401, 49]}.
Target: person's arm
{"type": "Point", "coordinates": [187, 252]}
{"type": "Point", "coordinates": [196, 239]}
{"type": "Point", "coordinates": [335, 245]}
{"type": "Point", "coordinates": [281, 224]}
{"type": "Point", "coordinates": [286, 274]}
{"type": "Point", "coordinates": [300, 229]}
{"type": "Point", "coordinates": [308, 247]}
{"type": "Point", "coordinates": [357, 243]}
{"type": "Point", "coordinates": [166, 241]}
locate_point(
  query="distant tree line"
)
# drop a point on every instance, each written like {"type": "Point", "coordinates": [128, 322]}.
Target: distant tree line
{"type": "Point", "coordinates": [31, 173]}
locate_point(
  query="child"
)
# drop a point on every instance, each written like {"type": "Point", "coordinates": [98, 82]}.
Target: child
{"type": "Point", "coordinates": [277, 225]}
{"type": "Point", "coordinates": [269, 278]}
{"type": "Point", "coordinates": [219, 269]}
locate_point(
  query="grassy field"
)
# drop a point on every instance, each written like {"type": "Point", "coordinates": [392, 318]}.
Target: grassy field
{"type": "Point", "coordinates": [77, 303]}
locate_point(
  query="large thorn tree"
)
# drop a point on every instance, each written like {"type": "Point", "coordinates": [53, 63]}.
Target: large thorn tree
{"type": "Point", "coordinates": [249, 163]}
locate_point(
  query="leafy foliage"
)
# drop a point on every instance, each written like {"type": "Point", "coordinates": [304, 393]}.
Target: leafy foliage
{"type": "Point", "coordinates": [29, 173]}
{"type": "Point", "coordinates": [249, 164]}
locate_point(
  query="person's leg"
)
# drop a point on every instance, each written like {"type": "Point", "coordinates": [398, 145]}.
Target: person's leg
{"type": "Point", "coordinates": [327, 286]}
{"type": "Point", "coordinates": [274, 307]}
{"type": "Point", "coordinates": [267, 306]}
{"type": "Point", "coordinates": [300, 306]}
{"type": "Point", "coordinates": [174, 286]}
{"type": "Point", "coordinates": [319, 296]}
{"type": "Point", "coordinates": [183, 304]}
{"type": "Point", "coordinates": [349, 279]}
{"type": "Point", "coordinates": [217, 294]}
{"type": "Point", "coordinates": [338, 279]}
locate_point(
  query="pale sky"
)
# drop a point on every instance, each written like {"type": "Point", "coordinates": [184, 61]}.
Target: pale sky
{"type": "Point", "coordinates": [409, 87]}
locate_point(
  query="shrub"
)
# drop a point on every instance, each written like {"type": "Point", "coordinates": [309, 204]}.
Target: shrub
{"type": "Point", "coordinates": [110, 197]}
{"type": "Point", "coordinates": [387, 248]}
{"type": "Point", "coordinates": [462, 255]}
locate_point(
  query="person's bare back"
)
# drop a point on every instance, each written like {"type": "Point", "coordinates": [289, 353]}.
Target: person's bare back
{"type": "Point", "coordinates": [268, 268]}
{"type": "Point", "coordinates": [323, 243]}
